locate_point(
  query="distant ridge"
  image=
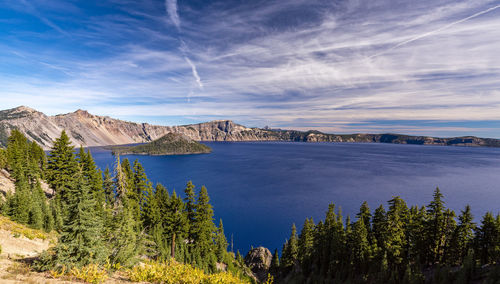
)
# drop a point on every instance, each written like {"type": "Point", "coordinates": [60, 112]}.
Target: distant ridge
{"type": "Point", "coordinates": [87, 129]}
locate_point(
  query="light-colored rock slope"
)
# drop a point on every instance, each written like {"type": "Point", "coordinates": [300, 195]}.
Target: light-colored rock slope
{"type": "Point", "coordinates": [86, 129]}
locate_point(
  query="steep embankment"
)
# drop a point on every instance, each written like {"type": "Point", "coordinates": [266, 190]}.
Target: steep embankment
{"type": "Point", "coordinates": [86, 129]}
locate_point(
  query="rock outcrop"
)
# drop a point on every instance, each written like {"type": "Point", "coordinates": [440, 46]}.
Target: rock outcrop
{"type": "Point", "coordinates": [87, 129]}
{"type": "Point", "coordinates": [259, 261]}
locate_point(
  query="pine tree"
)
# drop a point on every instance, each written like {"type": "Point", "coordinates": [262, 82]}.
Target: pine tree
{"type": "Point", "coordinates": [125, 242]}
{"type": "Point", "coordinates": [81, 240]}
{"type": "Point", "coordinates": [360, 247]}
{"type": "Point", "coordinates": [108, 187]}
{"type": "Point", "coordinates": [305, 243]}
{"type": "Point", "coordinates": [435, 227]}
{"type": "Point", "coordinates": [290, 250]}
{"type": "Point", "coordinates": [190, 209]}
{"type": "Point", "coordinates": [93, 177]}
{"type": "Point", "coordinates": [463, 237]}
{"type": "Point", "coordinates": [365, 214]}
{"type": "Point", "coordinates": [62, 168]}
{"type": "Point", "coordinates": [204, 229]}
{"type": "Point", "coordinates": [275, 263]}
{"type": "Point", "coordinates": [221, 242]}
{"type": "Point", "coordinates": [488, 240]}
{"type": "Point", "coordinates": [396, 235]}
{"type": "Point", "coordinates": [176, 222]}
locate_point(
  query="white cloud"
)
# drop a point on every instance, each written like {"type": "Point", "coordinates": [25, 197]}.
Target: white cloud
{"type": "Point", "coordinates": [171, 6]}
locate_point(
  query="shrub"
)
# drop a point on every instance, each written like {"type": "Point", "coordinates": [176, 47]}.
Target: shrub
{"type": "Point", "coordinates": [91, 273]}
{"type": "Point", "coordinates": [172, 272]}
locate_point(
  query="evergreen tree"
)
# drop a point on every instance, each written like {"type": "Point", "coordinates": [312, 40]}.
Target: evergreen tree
{"type": "Point", "coordinates": [176, 221]}
{"type": "Point", "coordinates": [108, 187]}
{"type": "Point", "coordinates": [435, 227]}
{"type": "Point", "coordinates": [463, 236]}
{"type": "Point", "coordinates": [221, 242]}
{"type": "Point", "coordinates": [204, 229]}
{"type": "Point", "coordinates": [396, 238]}
{"type": "Point", "coordinates": [81, 240]}
{"type": "Point", "coordinates": [275, 263]}
{"type": "Point", "coordinates": [365, 214]}
{"type": "Point", "coordinates": [62, 168]}
{"type": "Point", "coordinates": [488, 240]}
{"type": "Point", "coordinates": [291, 250]}
{"type": "Point", "coordinates": [306, 242]}
{"type": "Point", "coordinates": [190, 208]}
{"type": "Point", "coordinates": [360, 247]}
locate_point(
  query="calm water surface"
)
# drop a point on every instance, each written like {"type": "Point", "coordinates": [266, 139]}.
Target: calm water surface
{"type": "Point", "coordinates": [260, 188]}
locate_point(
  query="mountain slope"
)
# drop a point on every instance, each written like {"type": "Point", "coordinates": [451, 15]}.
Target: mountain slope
{"type": "Point", "coordinates": [86, 129]}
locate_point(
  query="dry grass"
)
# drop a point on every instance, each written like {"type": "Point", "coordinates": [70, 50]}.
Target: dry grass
{"type": "Point", "coordinates": [18, 230]}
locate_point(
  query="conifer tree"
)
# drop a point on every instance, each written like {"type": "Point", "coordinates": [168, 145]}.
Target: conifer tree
{"type": "Point", "coordinates": [204, 229]}
{"type": "Point", "coordinates": [463, 236]}
{"type": "Point", "coordinates": [62, 168]}
{"type": "Point", "coordinates": [306, 242]}
{"type": "Point", "coordinates": [108, 187]}
{"type": "Point", "coordinates": [365, 214]}
{"type": "Point", "coordinates": [176, 221]}
{"type": "Point", "coordinates": [360, 247]}
{"type": "Point", "coordinates": [435, 227]}
{"type": "Point", "coordinates": [81, 240]}
{"type": "Point", "coordinates": [488, 240]}
{"type": "Point", "coordinates": [291, 250]}
{"type": "Point", "coordinates": [221, 242]}
{"type": "Point", "coordinates": [396, 238]}
{"type": "Point", "coordinates": [94, 178]}
{"type": "Point", "coordinates": [190, 209]}
{"type": "Point", "coordinates": [275, 263]}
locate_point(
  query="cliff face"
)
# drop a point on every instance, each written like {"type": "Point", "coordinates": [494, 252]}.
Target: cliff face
{"type": "Point", "coordinates": [86, 129]}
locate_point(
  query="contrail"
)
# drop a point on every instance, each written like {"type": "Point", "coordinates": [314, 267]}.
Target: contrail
{"type": "Point", "coordinates": [436, 31]}
{"type": "Point", "coordinates": [195, 72]}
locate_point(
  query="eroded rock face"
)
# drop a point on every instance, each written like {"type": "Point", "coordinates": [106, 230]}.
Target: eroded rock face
{"type": "Point", "coordinates": [259, 261]}
{"type": "Point", "coordinates": [86, 129]}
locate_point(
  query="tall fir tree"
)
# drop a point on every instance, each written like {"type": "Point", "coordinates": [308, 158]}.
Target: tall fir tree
{"type": "Point", "coordinates": [62, 167]}
{"type": "Point", "coordinates": [81, 241]}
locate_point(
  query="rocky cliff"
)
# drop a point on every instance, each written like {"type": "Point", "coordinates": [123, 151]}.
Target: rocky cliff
{"type": "Point", "coordinates": [86, 129]}
{"type": "Point", "coordinates": [259, 261]}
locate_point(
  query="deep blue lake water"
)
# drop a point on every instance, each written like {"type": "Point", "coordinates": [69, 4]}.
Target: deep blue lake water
{"type": "Point", "coordinates": [260, 188]}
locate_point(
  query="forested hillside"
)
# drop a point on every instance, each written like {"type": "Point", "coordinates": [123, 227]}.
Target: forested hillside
{"type": "Point", "coordinates": [112, 219]}
{"type": "Point", "coordinates": [427, 244]}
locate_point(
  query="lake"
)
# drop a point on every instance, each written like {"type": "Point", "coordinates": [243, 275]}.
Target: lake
{"type": "Point", "coordinates": [260, 188]}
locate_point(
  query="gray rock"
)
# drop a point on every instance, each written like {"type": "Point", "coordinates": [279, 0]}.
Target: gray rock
{"type": "Point", "coordinates": [259, 261]}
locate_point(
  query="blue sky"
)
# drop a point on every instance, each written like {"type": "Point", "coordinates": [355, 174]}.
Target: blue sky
{"type": "Point", "coordinates": [416, 67]}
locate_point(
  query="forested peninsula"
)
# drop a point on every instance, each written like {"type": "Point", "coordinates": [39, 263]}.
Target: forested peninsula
{"type": "Point", "coordinates": [170, 144]}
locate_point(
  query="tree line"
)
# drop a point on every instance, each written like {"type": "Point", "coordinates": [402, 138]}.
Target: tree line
{"type": "Point", "coordinates": [401, 245]}
{"type": "Point", "coordinates": [116, 216]}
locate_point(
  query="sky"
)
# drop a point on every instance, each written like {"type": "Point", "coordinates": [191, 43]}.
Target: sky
{"type": "Point", "coordinates": [414, 67]}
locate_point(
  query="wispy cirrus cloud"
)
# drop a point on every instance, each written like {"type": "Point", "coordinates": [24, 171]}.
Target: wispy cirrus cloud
{"type": "Point", "coordinates": [171, 6]}
{"type": "Point", "coordinates": [283, 64]}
